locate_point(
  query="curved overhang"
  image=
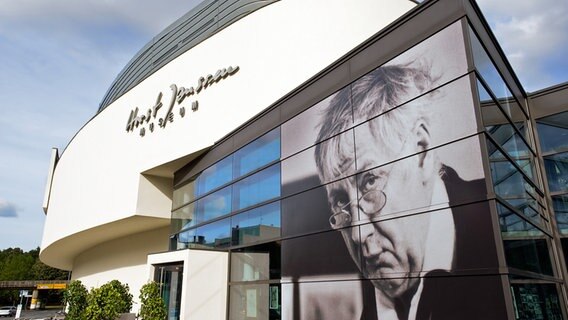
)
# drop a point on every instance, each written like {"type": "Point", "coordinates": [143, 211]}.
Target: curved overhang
{"type": "Point", "coordinates": [61, 253]}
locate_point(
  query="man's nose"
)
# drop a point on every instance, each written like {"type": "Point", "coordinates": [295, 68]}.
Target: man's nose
{"type": "Point", "coordinates": [367, 231]}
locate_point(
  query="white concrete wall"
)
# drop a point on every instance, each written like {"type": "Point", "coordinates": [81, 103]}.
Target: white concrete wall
{"type": "Point", "coordinates": [97, 181]}
{"type": "Point", "coordinates": [122, 259]}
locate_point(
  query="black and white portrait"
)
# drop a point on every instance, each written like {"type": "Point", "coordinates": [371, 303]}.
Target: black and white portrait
{"type": "Point", "coordinates": [396, 162]}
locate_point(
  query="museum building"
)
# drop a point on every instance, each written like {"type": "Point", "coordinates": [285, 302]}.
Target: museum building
{"type": "Point", "coordinates": [322, 159]}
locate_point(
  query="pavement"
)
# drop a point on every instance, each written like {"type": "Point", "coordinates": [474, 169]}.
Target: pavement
{"type": "Point", "coordinates": [35, 314]}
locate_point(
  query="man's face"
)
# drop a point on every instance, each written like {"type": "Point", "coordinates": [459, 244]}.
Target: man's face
{"type": "Point", "coordinates": [389, 248]}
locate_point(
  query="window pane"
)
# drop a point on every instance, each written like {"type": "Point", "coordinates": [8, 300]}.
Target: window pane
{"type": "Point", "coordinates": [258, 153]}
{"type": "Point", "coordinates": [536, 301]}
{"type": "Point", "coordinates": [560, 204]}
{"type": "Point", "coordinates": [183, 218]}
{"type": "Point", "coordinates": [214, 205]}
{"type": "Point", "coordinates": [256, 225]}
{"type": "Point", "coordinates": [556, 167]}
{"type": "Point", "coordinates": [255, 302]}
{"type": "Point", "coordinates": [526, 247]}
{"type": "Point", "coordinates": [184, 195]}
{"type": "Point", "coordinates": [553, 132]}
{"type": "Point", "coordinates": [260, 187]}
{"type": "Point", "coordinates": [215, 176]}
{"type": "Point", "coordinates": [508, 136]}
{"type": "Point", "coordinates": [213, 235]}
{"type": "Point", "coordinates": [261, 262]}
{"type": "Point", "coordinates": [487, 69]}
{"type": "Point", "coordinates": [511, 185]}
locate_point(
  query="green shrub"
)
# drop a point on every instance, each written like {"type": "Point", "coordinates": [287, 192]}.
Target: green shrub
{"type": "Point", "coordinates": [108, 301]}
{"type": "Point", "coordinates": [152, 306]}
{"type": "Point", "coordinates": [75, 297]}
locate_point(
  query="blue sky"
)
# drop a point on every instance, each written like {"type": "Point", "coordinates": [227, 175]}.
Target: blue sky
{"type": "Point", "coordinates": [58, 57]}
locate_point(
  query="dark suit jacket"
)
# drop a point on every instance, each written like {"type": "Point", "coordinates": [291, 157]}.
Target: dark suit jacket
{"type": "Point", "coordinates": [446, 295]}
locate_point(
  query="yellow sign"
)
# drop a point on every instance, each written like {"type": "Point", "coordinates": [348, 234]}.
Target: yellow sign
{"type": "Point", "coordinates": [52, 286]}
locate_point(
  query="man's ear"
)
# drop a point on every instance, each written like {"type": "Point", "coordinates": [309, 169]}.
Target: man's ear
{"type": "Point", "coordinates": [423, 143]}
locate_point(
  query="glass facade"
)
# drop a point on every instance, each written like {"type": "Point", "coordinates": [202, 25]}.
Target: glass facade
{"type": "Point", "coordinates": [520, 198]}
{"type": "Point", "coordinates": [419, 177]}
{"type": "Point", "coordinates": [553, 134]}
{"type": "Point", "coordinates": [211, 215]}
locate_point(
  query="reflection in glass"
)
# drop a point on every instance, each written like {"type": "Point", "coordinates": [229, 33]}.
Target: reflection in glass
{"type": "Point", "coordinates": [512, 186]}
{"type": "Point", "coordinates": [553, 133]}
{"type": "Point", "coordinates": [510, 138]}
{"type": "Point", "coordinates": [214, 205]}
{"type": "Point", "coordinates": [215, 176]}
{"type": "Point", "coordinates": [533, 301]}
{"type": "Point", "coordinates": [256, 225]}
{"type": "Point", "coordinates": [255, 301]}
{"type": "Point", "coordinates": [184, 194]}
{"type": "Point", "coordinates": [556, 167]}
{"type": "Point", "coordinates": [258, 153]}
{"type": "Point", "coordinates": [170, 279]}
{"type": "Point", "coordinates": [213, 235]}
{"type": "Point", "coordinates": [526, 247]}
{"type": "Point", "coordinates": [183, 218]}
{"type": "Point", "coordinates": [560, 204]}
{"type": "Point", "coordinates": [259, 187]}
{"type": "Point", "coordinates": [492, 77]}
{"type": "Point", "coordinates": [260, 262]}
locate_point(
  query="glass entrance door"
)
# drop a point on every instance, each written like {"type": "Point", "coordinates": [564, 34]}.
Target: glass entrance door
{"type": "Point", "coordinates": [170, 278]}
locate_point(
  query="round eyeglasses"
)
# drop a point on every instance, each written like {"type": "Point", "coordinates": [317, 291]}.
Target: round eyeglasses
{"type": "Point", "coordinates": [371, 203]}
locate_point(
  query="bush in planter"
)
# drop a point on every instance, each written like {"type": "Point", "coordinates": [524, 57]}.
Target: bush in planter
{"type": "Point", "coordinates": [152, 306]}
{"type": "Point", "coordinates": [75, 297]}
{"type": "Point", "coordinates": [108, 301]}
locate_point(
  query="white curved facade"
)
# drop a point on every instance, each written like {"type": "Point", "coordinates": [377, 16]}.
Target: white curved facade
{"type": "Point", "coordinates": [111, 186]}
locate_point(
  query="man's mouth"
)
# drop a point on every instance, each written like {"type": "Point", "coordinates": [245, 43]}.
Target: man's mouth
{"type": "Point", "coordinates": [376, 261]}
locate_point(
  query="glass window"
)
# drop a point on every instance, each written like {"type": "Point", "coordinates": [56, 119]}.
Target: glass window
{"type": "Point", "coordinates": [260, 187]}
{"type": "Point", "coordinates": [560, 204]}
{"type": "Point", "coordinates": [536, 301]}
{"type": "Point", "coordinates": [556, 167]}
{"type": "Point", "coordinates": [256, 225]}
{"type": "Point", "coordinates": [526, 247]}
{"type": "Point", "coordinates": [213, 235]}
{"type": "Point", "coordinates": [258, 153]}
{"type": "Point", "coordinates": [491, 75]}
{"type": "Point", "coordinates": [501, 129]}
{"type": "Point", "coordinates": [214, 205]}
{"type": "Point", "coordinates": [215, 176]}
{"type": "Point", "coordinates": [183, 218]}
{"type": "Point", "coordinates": [183, 195]}
{"type": "Point", "coordinates": [260, 262]}
{"type": "Point", "coordinates": [255, 302]}
{"type": "Point", "coordinates": [553, 133]}
{"type": "Point", "coordinates": [511, 138]}
{"type": "Point", "coordinates": [512, 186]}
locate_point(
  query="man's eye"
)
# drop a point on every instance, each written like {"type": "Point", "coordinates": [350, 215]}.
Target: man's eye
{"type": "Point", "coordinates": [340, 201]}
{"type": "Point", "coordinates": [370, 182]}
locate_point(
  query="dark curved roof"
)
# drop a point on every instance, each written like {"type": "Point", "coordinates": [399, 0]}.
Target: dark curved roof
{"type": "Point", "coordinates": [195, 26]}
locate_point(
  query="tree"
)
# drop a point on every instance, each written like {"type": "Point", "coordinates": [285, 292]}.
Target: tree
{"type": "Point", "coordinates": [108, 301]}
{"type": "Point", "coordinates": [76, 299]}
{"type": "Point", "coordinates": [15, 264]}
{"type": "Point", "coordinates": [41, 271]}
{"type": "Point", "coordinates": [153, 306]}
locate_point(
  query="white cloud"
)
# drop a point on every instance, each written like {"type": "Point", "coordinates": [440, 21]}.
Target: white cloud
{"type": "Point", "coordinates": [7, 210]}
{"type": "Point", "coordinates": [149, 15]}
{"type": "Point", "coordinates": [534, 36]}
{"type": "Point", "coordinates": [58, 58]}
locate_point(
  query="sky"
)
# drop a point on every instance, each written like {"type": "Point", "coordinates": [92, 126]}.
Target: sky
{"type": "Point", "coordinates": [58, 58]}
